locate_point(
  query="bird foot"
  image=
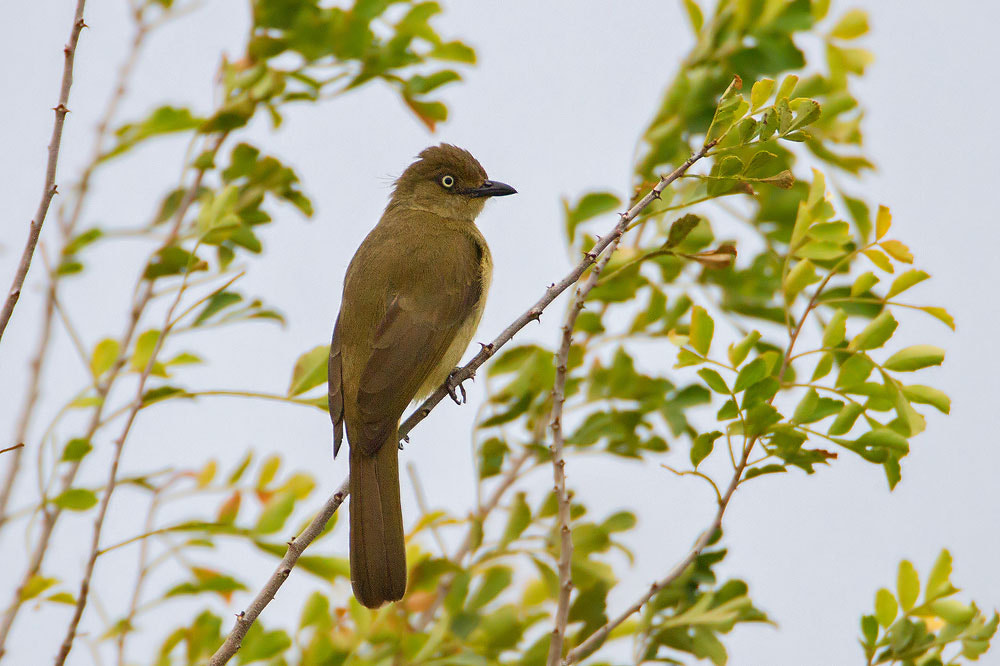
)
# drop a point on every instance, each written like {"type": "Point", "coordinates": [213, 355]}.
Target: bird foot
{"type": "Point", "coordinates": [452, 383]}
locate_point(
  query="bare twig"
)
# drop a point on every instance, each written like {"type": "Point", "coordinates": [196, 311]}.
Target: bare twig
{"type": "Point", "coordinates": [245, 619]}
{"type": "Point", "coordinates": [49, 189]}
{"type": "Point", "coordinates": [296, 546]}
{"type": "Point", "coordinates": [95, 546]}
{"type": "Point", "coordinates": [67, 228]}
{"type": "Point", "coordinates": [12, 448]}
{"type": "Point", "coordinates": [558, 459]}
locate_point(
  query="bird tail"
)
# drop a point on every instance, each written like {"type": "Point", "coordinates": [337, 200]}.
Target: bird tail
{"type": "Point", "coordinates": [378, 556]}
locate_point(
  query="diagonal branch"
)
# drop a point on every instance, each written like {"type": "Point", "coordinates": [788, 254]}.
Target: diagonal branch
{"type": "Point", "coordinates": [297, 545]}
{"type": "Point", "coordinates": [49, 190]}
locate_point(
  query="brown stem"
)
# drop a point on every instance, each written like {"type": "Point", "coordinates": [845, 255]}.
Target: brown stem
{"type": "Point", "coordinates": [558, 459]}
{"type": "Point", "coordinates": [49, 189]}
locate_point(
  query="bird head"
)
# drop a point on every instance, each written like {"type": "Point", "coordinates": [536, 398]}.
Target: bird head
{"type": "Point", "coordinates": [448, 181]}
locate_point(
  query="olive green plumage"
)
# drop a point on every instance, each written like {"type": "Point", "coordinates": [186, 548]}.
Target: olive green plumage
{"type": "Point", "coordinates": [413, 296]}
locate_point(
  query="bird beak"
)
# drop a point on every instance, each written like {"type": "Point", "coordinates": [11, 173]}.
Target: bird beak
{"type": "Point", "coordinates": [491, 188]}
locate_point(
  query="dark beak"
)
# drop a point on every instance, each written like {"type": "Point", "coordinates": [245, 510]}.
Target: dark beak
{"type": "Point", "coordinates": [491, 188]}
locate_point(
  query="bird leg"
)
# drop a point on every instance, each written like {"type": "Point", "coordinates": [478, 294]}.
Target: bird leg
{"type": "Point", "coordinates": [452, 383]}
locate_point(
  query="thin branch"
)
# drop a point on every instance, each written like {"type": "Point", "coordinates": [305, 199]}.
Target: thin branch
{"type": "Point", "coordinates": [95, 546]}
{"type": "Point", "coordinates": [245, 619]}
{"type": "Point", "coordinates": [67, 228]}
{"type": "Point", "coordinates": [49, 190]}
{"type": "Point", "coordinates": [12, 448]}
{"type": "Point", "coordinates": [418, 491]}
{"type": "Point", "coordinates": [558, 459]}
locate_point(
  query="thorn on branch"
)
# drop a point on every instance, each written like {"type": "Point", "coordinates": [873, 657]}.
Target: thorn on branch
{"type": "Point", "coordinates": [591, 256]}
{"type": "Point", "coordinates": [60, 108]}
{"type": "Point", "coordinates": [535, 314]}
{"type": "Point", "coordinates": [656, 194]}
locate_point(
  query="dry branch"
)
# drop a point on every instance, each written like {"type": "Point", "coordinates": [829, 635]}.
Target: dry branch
{"type": "Point", "coordinates": [49, 189]}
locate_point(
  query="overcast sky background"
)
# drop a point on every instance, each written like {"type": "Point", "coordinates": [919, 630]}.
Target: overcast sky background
{"type": "Point", "coordinates": [554, 107]}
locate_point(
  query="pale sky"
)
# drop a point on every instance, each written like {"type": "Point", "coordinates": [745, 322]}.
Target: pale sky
{"type": "Point", "coordinates": [554, 107]}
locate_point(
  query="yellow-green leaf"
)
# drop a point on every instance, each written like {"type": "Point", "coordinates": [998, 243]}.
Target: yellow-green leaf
{"type": "Point", "coordinates": [926, 395]}
{"type": "Point", "coordinates": [760, 93]}
{"type": "Point", "coordinates": [104, 356]}
{"type": "Point", "coordinates": [836, 329]}
{"type": "Point", "coordinates": [879, 259]}
{"type": "Point", "coordinates": [885, 607]}
{"type": "Point", "coordinates": [144, 347]}
{"type": "Point", "coordinates": [695, 15]}
{"type": "Point", "coordinates": [738, 352]}
{"type": "Point", "coordinates": [76, 499]}
{"type": "Point", "coordinates": [851, 25]}
{"type": "Point", "coordinates": [914, 358]}
{"type": "Point", "coordinates": [863, 283]}
{"type": "Point", "coordinates": [883, 220]}
{"type": "Point", "coordinates": [938, 583]}
{"type": "Point", "coordinates": [897, 251]}
{"type": "Point", "coordinates": [905, 281]}
{"type": "Point", "coordinates": [876, 333]}
{"type": "Point", "coordinates": [787, 86]}
{"type": "Point", "coordinates": [940, 314]}
{"type": "Point", "coordinates": [702, 329]}
{"type": "Point", "coordinates": [310, 370]}
{"type": "Point", "coordinates": [206, 474]}
{"type": "Point", "coordinates": [36, 585]}
{"type": "Point", "coordinates": [953, 612]}
{"type": "Point", "coordinates": [802, 275]}
{"type": "Point", "coordinates": [907, 585]}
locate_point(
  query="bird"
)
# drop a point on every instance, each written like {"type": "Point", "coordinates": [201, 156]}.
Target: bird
{"type": "Point", "coordinates": [413, 297]}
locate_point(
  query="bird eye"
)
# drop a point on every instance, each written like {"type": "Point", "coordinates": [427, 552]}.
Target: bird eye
{"type": "Point", "coordinates": [447, 181]}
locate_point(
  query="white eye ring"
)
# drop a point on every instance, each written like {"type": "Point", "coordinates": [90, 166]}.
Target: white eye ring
{"type": "Point", "coordinates": [447, 181]}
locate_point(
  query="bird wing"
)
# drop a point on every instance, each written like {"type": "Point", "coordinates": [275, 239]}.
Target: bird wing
{"type": "Point", "coordinates": [420, 323]}
{"type": "Point", "coordinates": [335, 390]}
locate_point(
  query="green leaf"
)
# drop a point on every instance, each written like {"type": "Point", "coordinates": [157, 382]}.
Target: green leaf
{"type": "Point", "coordinates": [851, 25]}
{"type": "Point", "coordinates": [869, 628]}
{"type": "Point", "coordinates": [914, 358]}
{"type": "Point", "coordinates": [259, 644]}
{"type": "Point", "coordinates": [941, 314]}
{"type": "Point", "coordinates": [310, 370]}
{"type": "Point", "coordinates": [800, 277]}
{"type": "Point", "coordinates": [714, 380]}
{"type": "Point", "coordinates": [836, 329]}
{"type": "Point", "coordinates": [863, 283]}
{"type": "Point", "coordinates": [455, 52]}
{"type": "Point", "coordinates": [76, 449]}
{"type": "Point", "coordinates": [622, 521]}
{"type": "Point", "coordinates": [925, 395]}
{"type": "Point", "coordinates": [806, 406]}
{"type": "Point", "coordinates": [938, 583]}
{"type": "Point", "coordinates": [907, 585]}
{"type": "Point", "coordinates": [143, 351]}
{"type": "Point", "coordinates": [823, 367]}
{"type": "Point", "coordinates": [591, 205]}
{"type": "Point", "coordinates": [518, 519]}
{"type": "Point", "coordinates": [897, 251]}
{"type": "Point", "coordinates": [164, 120]}
{"type": "Point", "coordinates": [905, 281]}
{"type": "Point", "coordinates": [275, 512]}
{"type": "Point", "coordinates": [702, 329]}
{"type": "Point", "coordinates": [879, 259]}
{"type": "Point", "coordinates": [845, 419]}
{"type": "Point", "coordinates": [854, 371]}
{"type": "Point", "coordinates": [750, 374]}
{"type": "Point", "coordinates": [885, 607]}
{"type": "Point", "coordinates": [738, 352]}
{"type": "Point", "coordinates": [76, 499]}
{"type": "Point", "coordinates": [764, 469]}
{"type": "Point", "coordinates": [702, 446]}
{"type": "Point", "coordinates": [876, 333]}
{"type": "Point", "coordinates": [495, 581]}
{"type": "Point", "coordinates": [953, 612]}
{"type": "Point", "coordinates": [104, 356]}
{"type": "Point", "coordinates": [680, 229]}
{"type": "Point", "coordinates": [787, 86]}
{"type": "Point", "coordinates": [35, 586]}
{"type": "Point", "coordinates": [217, 303]}
{"type": "Point", "coordinates": [760, 93]}
{"type": "Point", "coordinates": [731, 108]}
{"type": "Point", "coordinates": [694, 15]}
